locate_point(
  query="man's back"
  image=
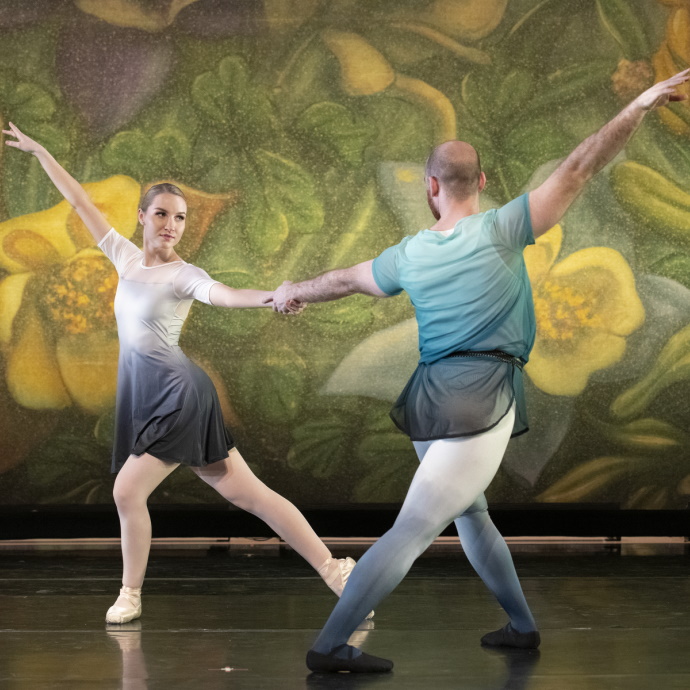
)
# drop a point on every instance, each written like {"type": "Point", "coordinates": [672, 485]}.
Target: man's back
{"type": "Point", "coordinates": [470, 288]}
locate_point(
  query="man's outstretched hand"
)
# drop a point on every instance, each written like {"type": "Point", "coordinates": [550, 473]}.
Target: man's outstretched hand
{"type": "Point", "coordinates": [663, 92]}
{"type": "Point", "coordinates": [282, 302]}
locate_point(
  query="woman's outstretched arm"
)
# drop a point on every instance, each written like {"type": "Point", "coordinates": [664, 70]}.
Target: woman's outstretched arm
{"type": "Point", "coordinates": [224, 296]}
{"type": "Point", "coordinates": [67, 186]}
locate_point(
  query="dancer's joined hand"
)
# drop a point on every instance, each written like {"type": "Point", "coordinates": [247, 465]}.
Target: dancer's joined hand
{"type": "Point", "coordinates": [282, 302]}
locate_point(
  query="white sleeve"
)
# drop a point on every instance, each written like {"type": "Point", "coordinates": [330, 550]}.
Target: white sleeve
{"type": "Point", "coordinates": [192, 282]}
{"type": "Point", "coordinates": [118, 249]}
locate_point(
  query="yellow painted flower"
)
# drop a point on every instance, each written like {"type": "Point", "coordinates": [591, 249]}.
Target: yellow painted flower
{"type": "Point", "coordinates": [585, 305]}
{"type": "Point", "coordinates": [672, 57]}
{"type": "Point", "coordinates": [57, 329]}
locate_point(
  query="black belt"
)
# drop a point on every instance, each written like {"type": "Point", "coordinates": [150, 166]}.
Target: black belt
{"type": "Point", "coordinates": [491, 354]}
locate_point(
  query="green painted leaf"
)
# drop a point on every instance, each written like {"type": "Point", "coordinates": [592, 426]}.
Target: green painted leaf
{"type": "Point", "coordinates": [370, 227]}
{"type": "Point", "coordinates": [210, 96]}
{"type": "Point", "coordinates": [173, 146]}
{"type": "Point", "coordinates": [672, 366]}
{"type": "Point", "coordinates": [565, 85]}
{"type": "Point", "coordinates": [676, 266]}
{"type": "Point", "coordinates": [232, 100]}
{"type": "Point", "coordinates": [517, 87]}
{"type": "Point", "coordinates": [390, 463]}
{"type": "Point", "coordinates": [649, 435]}
{"type": "Point", "coordinates": [128, 153]}
{"type": "Point", "coordinates": [272, 383]}
{"type": "Point", "coordinates": [320, 447]}
{"type": "Point", "coordinates": [52, 470]}
{"type": "Point", "coordinates": [266, 225]}
{"type": "Point", "coordinates": [654, 147]}
{"type": "Point", "coordinates": [136, 153]}
{"type": "Point", "coordinates": [50, 136]}
{"type": "Point", "coordinates": [349, 316]}
{"type": "Point", "coordinates": [536, 142]}
{"type": "Point", "coordinates": [335, 132]}
{"type": "Point", "coordinates": [28, 102]}
{"type": "Point", "coordinates": [625, 24]}
{"type": "Point", "coordinates": [587, 481]}
{"type": "Point", "coordinates": [283, 201]}
{"type": "Point", "coordinates": [405, 131]}
{"type": "Point", "coordinates": [104, 431]}
{"type": "Point", "coordinates": [653, 199]}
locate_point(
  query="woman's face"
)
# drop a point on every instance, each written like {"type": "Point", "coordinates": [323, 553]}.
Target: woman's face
{"type": "Point", "coordinates": [164, 220]}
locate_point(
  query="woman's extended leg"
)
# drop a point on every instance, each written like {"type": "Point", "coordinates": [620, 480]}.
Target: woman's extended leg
{"type": "Point", "coordinates": [233, 479]}
{"type": "Point", "coordinates": [135, 482]}
{"type": "Point", "coordinates": [451, 477]}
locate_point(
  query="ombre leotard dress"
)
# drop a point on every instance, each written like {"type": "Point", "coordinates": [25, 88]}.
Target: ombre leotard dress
{"type": "Point", "coordinates": [166, 405]}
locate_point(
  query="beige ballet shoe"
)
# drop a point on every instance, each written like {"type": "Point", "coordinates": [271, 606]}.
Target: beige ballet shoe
{"type": "Point", "coordinates": [127, 607]}
{"type": "Point", "coordinates": [336, 577]}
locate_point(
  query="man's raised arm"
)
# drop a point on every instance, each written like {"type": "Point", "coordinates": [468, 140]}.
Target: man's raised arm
{"type": "Point", "coordinates": [549, 202]}
{"type": "Point", "coordinates": [329, 286]}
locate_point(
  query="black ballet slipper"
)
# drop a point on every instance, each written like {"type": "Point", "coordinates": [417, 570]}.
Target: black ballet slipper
{"type": "Point", "coordinates": [330, 663]}
{"type": "Point", "coordinates": [509, 637]}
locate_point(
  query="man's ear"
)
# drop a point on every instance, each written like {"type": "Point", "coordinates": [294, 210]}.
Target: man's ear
{"type": "Point", "coordinates": [482, 181]}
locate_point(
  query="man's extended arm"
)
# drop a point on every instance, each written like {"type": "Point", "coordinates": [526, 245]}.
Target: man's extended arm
{"type": "Point", "coordinates": [549, 202]}
{"type": "Point", "coordinates": [329, 286]}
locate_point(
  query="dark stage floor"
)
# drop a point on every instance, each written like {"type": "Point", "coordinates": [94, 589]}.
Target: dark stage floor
{"type": "Point", "coordinates": [220, 621]}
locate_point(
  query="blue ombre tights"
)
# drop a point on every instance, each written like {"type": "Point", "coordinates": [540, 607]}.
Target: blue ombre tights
{"type": "Point", "coordinates": [448, 485]}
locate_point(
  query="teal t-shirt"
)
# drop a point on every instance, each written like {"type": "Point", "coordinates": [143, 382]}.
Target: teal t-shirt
{"type": "Point", "coordinates": [470, 289]}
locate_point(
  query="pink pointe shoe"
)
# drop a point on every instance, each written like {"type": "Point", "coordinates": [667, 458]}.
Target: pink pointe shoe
{"type": "Point", "coordinates": [336, 577]}
{"type": "Point", "coordinates": [127, 607]}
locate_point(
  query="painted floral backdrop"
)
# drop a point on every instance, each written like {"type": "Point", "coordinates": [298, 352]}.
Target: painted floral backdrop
{"type": "Point", "coordinates": [299, 129]}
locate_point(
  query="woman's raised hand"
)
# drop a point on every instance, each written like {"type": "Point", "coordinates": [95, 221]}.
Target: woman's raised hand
{"type": "Point", "coordinates": [23, 143]}
{"type": "Point", "coordinates": [73, 192]}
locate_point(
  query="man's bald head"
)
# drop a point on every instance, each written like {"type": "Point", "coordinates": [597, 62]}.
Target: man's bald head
{"type": "Point", "coordinates": [456, 166]}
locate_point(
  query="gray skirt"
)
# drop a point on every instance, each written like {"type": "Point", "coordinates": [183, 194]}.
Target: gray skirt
{"type": "Point", "coordinates": [461, 395]}
{"type": "Point", "coordinates": [168, 407]}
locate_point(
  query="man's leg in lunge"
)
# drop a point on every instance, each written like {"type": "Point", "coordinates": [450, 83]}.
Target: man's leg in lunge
{"type": "Point", "coordinates": [453, 474]}
{"type": "Point", "coordinates": [489, 555]}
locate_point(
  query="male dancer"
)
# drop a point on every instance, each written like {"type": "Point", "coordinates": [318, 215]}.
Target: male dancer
{"type": "Point", "coordinates": [467, 280]}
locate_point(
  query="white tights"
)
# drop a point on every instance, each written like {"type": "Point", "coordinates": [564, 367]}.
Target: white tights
{"type": "Point", "coordinates": [451, 477]}
{"type": "Point", "coordinates": [233, 480]}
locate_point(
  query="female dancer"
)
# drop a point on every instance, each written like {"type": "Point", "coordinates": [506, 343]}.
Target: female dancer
{"type": "Point", "coordinates": [167, 410]}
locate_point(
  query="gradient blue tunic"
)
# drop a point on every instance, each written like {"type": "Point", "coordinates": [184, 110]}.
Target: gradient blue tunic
{"type": "Point", "coordinates": [470, 291]}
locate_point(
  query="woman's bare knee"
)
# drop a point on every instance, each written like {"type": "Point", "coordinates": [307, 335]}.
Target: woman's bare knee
{"type": "Point", "coordinates": [127, 499]}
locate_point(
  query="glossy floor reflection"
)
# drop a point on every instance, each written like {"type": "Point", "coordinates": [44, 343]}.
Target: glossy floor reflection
{"type": "Point", "coordinates": [237, 622]}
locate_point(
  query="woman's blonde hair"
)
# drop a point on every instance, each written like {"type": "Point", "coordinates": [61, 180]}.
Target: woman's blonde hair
{"type": "Point", "coordinates": [156, 189]}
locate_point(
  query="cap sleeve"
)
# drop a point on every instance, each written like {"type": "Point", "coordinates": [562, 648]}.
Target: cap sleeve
{"type": "Point", "coordinates": [192, 282]}
{"type": "Point", "coordinates": [512, 224]}
{"type": "Point", "coordinates": [385, 270]}
{"type": "Point", "coordinates": [119, 250]}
